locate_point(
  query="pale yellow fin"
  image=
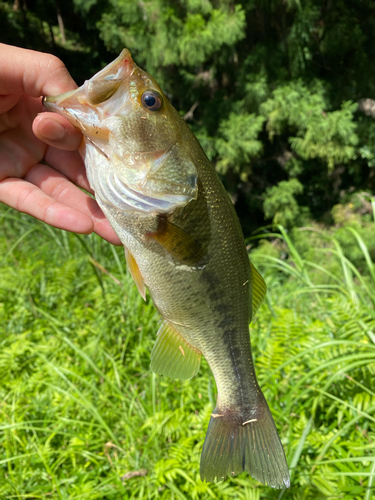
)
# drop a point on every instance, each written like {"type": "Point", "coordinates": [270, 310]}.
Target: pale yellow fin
{"type": "Point", "coordinates": [135, 273]}
{"type": "Point", "coordinates": [259, 289]}
{"type": "Point", "coordinates": [173, 356]}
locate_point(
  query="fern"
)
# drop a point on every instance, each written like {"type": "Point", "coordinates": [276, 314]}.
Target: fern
{"type": "Point", "coordinates": [80, 408]}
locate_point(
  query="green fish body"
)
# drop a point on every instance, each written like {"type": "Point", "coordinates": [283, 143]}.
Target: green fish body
{"type": "Point", "coordinates": [183, 241]}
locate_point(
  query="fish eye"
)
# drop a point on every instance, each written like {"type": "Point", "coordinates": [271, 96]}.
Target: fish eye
{"type": "Point", "coordinates": [152, 100]}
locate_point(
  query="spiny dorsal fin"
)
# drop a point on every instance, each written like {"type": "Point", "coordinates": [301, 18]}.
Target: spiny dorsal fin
{"type": "Point", "coordinates": [173, 356]}
{"type": "Point", "coordinates": [135, 273]}
{"type": "Point", "coordinates": [259, 289]}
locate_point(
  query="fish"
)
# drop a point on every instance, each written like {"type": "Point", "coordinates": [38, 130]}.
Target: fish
{"type": "Point", "coordinates": [184, 244]}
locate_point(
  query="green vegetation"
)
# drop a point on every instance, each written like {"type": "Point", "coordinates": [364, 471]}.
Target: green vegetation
{"type": "Point", "coordinates": [80, 408]}
{"type": "Point", "coordinates": [280, 93]}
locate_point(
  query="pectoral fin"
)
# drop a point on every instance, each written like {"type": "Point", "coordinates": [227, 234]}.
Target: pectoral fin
{"type": "Point", "coordinates": [259, 289]}
{"type": "Point", "coordinates": [135, 273]}
{"type": "Point", "coordinates": [173, 356]}
{"type": "Point", "coordinates": [177, 242]}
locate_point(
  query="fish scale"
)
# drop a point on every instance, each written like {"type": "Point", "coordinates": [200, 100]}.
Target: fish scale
{"type": "Point", "coordinates": [186, 246]}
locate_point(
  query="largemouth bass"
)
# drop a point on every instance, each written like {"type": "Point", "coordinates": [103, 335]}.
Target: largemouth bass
{"type": "Point", "coordinates": [183, 241]}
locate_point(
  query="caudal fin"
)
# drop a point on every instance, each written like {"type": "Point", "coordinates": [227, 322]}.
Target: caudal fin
{"type": "Point", "coordinates": [235, 443]}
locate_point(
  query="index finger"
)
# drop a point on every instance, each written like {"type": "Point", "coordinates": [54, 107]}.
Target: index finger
{"type": "Point", "coordinates": [33, 73]}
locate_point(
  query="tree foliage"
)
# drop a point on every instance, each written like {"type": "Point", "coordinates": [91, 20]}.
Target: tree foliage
{"type": "Point", "coordinates": [273, 90]}
{"type": "Point", "coordinates": [280, 203]}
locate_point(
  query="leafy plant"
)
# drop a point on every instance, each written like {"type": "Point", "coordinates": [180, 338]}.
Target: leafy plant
{"type": "Point", "coordinates": [275, 91]}
{"type": "Point", "coordinates": [82, 416]}
{"type": "Point", "coordinates": [280, 203]}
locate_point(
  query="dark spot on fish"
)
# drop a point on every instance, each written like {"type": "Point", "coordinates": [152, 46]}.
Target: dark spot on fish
{"type": "Point", "coordinates": [234, 348]}
{"type": "Point", "coordinates": [210, 278]}
{"type": "Point", "coordinates": [192, 180]}
{"type": "Point", "coordinates": [225, 324]}
{"type": "Point", "coordinates": [214, 295]}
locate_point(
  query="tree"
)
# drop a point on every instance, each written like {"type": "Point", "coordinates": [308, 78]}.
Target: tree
{"type": "Point", "coordinates": [270, 88]}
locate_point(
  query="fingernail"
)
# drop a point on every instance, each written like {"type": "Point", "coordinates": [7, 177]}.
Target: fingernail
{"type": "Point", "coordinates": [51, 130]}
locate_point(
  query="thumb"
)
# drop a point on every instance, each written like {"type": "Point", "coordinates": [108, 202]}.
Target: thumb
{"type": "Point", "coordinates": [56, 131]}
{"type": "Point", "coordinates": [33, 73]}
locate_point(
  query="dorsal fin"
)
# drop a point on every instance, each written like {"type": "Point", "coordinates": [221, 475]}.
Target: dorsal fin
{"type": "Point", "coordinates": [173, 356]}
{"type": "Point", "coordinates": [259, 289]}
{"type": "Point", "coordinates": [135, 273]}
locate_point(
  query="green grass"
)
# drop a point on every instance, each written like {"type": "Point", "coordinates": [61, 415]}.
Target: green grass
{"type": "Point", "coordinates": [80, 409]}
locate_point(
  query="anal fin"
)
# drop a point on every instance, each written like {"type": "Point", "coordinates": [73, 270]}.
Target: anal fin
{"type": "Point", "coordinates": [173, 356]}
{"type": "Point", "coordinates": [135, 273]}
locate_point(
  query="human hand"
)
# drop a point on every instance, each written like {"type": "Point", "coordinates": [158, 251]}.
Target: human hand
{"type": "Point", "coordinates": [47, 191]}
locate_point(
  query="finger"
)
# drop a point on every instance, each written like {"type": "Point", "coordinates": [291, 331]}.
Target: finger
{"type": "Point", "coordinates": [70, 164]}
{"type": "Point", "coordinates": [27, 198]}
{"type": "Point", "coordinates": [56, 131]}
{"type": "Point", "coordinates": [7, 102]}
{"type": "Point", "coordinates": [34, 73]}
{"type": "Point", "coordinates": [57, 186]}
{"type": "Point", "coordinates": [103, 228]}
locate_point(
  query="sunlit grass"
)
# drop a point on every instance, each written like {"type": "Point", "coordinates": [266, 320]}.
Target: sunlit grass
{"type": "Point", "coordinates": [80, 409]}
{"type": "Point", "coordinates": [320, 353]}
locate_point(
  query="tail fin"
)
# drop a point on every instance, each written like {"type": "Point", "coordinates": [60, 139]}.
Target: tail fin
{"type": "Point", "coordinates": [234, 444]}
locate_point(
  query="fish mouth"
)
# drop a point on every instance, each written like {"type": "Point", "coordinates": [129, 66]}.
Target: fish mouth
{"type": "Point", "coordinates": [96, 90]}
{"type": "Point", "coordinates": [129, 173]}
